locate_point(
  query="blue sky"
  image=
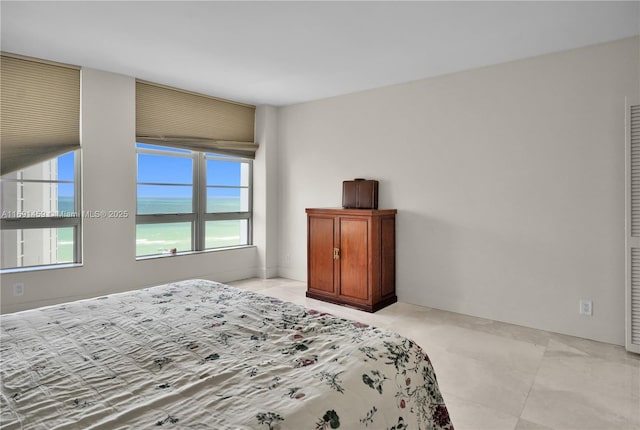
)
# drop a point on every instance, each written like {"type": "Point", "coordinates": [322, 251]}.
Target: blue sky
{"type": "Point", "coordinates": [175, 170]}
{"type": "Point", "coordinates": [163, 169]}
{"type": "Point", "coordinates": [65, 173]}
{"type": "Point", "coordinates": [65, 167]}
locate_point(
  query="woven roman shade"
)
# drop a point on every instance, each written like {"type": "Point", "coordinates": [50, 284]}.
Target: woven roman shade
{"type": "Point", "coordinates": [40, 111]}
{"type": "Point", "coordinates": [171, 117]}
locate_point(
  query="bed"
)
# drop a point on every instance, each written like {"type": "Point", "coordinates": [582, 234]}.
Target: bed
{"type": "Point", "coordinates": [203, 355]}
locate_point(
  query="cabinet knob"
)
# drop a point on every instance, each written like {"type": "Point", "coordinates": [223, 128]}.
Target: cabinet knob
{"type": "Point", "coordinates": [336, 253]}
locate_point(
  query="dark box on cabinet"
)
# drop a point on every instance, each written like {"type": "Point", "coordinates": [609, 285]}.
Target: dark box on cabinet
{"type": "Point", "coordinates": [360, 194]}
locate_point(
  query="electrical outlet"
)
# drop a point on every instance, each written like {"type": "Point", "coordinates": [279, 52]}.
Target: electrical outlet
{"type": "Point", "coordinates": [586, 307]}
{"type": "Point", "coordinates": [287, 259]}
{"type": "Point", "coordinates": [18, 289]}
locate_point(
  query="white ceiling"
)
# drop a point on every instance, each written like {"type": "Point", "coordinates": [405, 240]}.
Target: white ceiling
{"type": "Point", "coordinates": [282, 53]}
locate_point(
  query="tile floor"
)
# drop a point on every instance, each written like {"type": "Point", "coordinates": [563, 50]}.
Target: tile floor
{"type": "Point", "coordinates": [498, 376]}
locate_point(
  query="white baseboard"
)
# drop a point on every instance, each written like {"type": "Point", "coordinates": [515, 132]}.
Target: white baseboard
{"type": "Point", "coordinates": [290, 273]}
{"type": "Point", "coordinates": [266, 272]}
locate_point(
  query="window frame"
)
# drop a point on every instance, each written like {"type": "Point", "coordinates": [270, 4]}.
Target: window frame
{"type": "Point", "coordinates": [199, 215]}
{"type": "Point", "coordinates": [74, 221]}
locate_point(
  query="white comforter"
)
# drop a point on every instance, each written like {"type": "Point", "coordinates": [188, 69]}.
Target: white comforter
{"type": "Point", "coordinates": [202, 355]}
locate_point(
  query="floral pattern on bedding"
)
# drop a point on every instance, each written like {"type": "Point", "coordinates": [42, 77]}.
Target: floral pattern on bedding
{"type": "Point", "coordinates": [201, 355]}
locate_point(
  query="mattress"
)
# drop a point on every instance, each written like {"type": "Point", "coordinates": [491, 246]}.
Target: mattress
{"type": "Point", "coordinates": [202, 355]}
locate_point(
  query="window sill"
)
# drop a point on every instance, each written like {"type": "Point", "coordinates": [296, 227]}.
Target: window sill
{"type": "Point", "coordinates": [39, 268]}
{"type": "Point", "coordinates": [181, 254]}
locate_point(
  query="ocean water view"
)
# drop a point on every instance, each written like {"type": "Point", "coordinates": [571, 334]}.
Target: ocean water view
{"type": "Point", "coordinates": [65, 235]}
{"type": "Point", "coordinates": [161, 238]}
{"type": "Point", "coordinates": [152, 239]}
{"type": "Point", "coordinates": [176, 205]}
{"type": "Point", "coordinates": [165, 185]}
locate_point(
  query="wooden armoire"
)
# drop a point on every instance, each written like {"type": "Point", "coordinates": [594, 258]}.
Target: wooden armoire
{"type": "Point", "coordinates": [351, 258]}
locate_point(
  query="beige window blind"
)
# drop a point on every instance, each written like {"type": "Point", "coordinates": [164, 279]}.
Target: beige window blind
{"type": "Point", "coordinates": [40, 111]}
{"type": "Point", "coordinates": [177, 118]}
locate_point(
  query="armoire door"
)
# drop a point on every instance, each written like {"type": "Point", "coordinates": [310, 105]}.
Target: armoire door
{"type": "Point", "coordinates": [354, 257]}
{"type": "Point", "coordinates": [321, 275]}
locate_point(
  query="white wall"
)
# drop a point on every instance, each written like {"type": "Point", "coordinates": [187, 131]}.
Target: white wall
{"type": "Point", "coordinates": [109, 172]}
{"type": "Point", "coordinates": [508, 180]}
{"type": "Point", "coordinates": [265, 194]}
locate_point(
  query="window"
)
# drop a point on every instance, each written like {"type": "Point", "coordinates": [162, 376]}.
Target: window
{"type": "Point", "coordinates": [40, 222]}
{"type": "Point", "coordinates": [191, 201]}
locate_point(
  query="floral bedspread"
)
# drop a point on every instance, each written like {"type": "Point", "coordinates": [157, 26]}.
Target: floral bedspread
{"type": "Point", "coordinates": [202, 355]}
